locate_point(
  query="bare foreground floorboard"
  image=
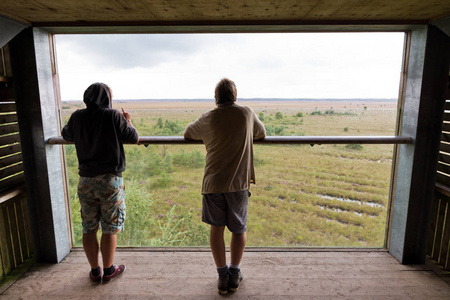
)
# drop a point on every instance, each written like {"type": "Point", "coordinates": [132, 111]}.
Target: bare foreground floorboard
{"type": "Point", "coordinates": [267, 275]}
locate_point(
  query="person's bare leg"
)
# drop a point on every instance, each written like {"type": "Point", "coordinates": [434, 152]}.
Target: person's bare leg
{"type": "Point", "coordinates": [108, 248]}
{"type": "Point", "coordinates": [237, 247]}
{"type": "Point", "coordinates": [90, 246]}
{"type": "Point", "coordinates": [217, 244]}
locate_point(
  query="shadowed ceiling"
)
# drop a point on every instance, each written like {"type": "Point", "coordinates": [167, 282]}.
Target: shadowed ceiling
{"type": "Point", "coordinates": [91, 12]}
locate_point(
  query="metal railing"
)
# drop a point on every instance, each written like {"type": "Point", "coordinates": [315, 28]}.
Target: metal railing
{"type": "Point", "coordinates": [308, 140]}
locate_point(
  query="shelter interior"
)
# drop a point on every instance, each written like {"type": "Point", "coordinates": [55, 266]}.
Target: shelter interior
{"type": "Point", "coordinates": [34, 219]}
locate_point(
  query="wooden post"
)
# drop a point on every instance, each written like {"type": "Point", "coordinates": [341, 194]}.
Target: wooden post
{"type": "Point", "coordinates": [425, 90]}
{"type": "Point", "coordinates": [37, 116]}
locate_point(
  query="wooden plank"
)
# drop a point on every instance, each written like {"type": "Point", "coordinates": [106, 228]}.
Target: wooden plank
{"type": "Point", "coordinates": [9, 139]}
{"type": "Point", "coordinates": [433, 222]}
{"type": "Point", "coordinates": [18, 259]}
{"type": "Point", "coordinates": [5, 266]}
{"type": "Point", "coordinates": [8, 241]}
{"type": "Point", "coordinates": [12, 181]}
{"type": "Point", "coordinates": [444, 157]}
{"type": "Point", "coordinates": [8, 171]}
{"type": "Point", "coordinates": [8, 107]}
{"type": "Point", "coordinates": [26, 219]}
{"type": "Point", "coordinates": [2, 273]}
{"type": "Point", "coordinates": [440, 166]}
{"type": "Point", "coordinates": [439, 230]}
{"type": "Point", "coordinates": [7, 63]}
{"type": "Point", "coordinates": [446, 117]}
{"type": "Point", "coordinates": [444, 147]}
{"type": "Point", "coordinates": [444, 190]}
{"type": "Point", "coordinates": [445, 239]}
{"type": "Point", "coordinates": [9, 160]}
{"type": "Point", "coordinates": [446, 127]}
{"type": "Point", "coordinates": [11, 149]}
{"type": "Point", "coordinates": [21, 228]}
{"type": "Point", "coordinates": [2, 66]}
{"type": "Point", "coordinates": [447, 103]}
{"type": "Point", "coordinates": [10, 118]}
{"type": "Point", "coordinates": [445, 137]}
{"type": "Point", "coordinates": [10, 128]}
{"type": "Point", "coordinates": [20, 205]}
{"type": "Point", "coordinates": [443, 179]}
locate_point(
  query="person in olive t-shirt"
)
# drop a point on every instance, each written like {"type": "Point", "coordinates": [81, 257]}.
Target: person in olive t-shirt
{"type": "Point", "coordinates": [228, 132]}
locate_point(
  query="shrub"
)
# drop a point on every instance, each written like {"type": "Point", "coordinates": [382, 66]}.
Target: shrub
{"type": "Point", "coordinates": [261, 116]}
{"type": "Point", "coordinates": [353, 147]}
{"type": "Point", "coordinates": [316, 113]}
{"type": "Point", "coordinates": [138, 224]}
{"type": "Point", "coordinates": [168, 128]}
{"type": "Point", "coordinates": [346, 129]}
{"type": "Point", "coordinates": [299, 114]}
{"type": "Point", "coordinates": [180, 231]}
{"type": "Point", "coordinates": [164, 181]}
{"type": "Point", "coordinates": [193, 159]}
{"type": "Point", "coordinates": [279, 115]}
{"type": "Point", "coordinates": [275, 130]}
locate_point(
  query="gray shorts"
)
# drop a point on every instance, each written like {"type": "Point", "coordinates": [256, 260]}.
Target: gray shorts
{"type": "Point", "coordinates": [226, 209]}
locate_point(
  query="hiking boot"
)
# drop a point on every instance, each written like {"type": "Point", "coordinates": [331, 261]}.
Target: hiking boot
{"type": "Point", "coordinates": [222, 285]}
{"type": "Point", "coordinates": [235, 281]}
{"type": "Point", "coordinates": [118, 270]}
{"type": "Point", "coordinates": [97, 278]}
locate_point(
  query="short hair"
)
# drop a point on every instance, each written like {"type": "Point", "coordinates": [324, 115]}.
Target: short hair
{"type": "Point", "coordinates": [225, 91]}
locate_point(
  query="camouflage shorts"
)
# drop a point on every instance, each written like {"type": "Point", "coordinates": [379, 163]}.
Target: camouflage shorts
{"type": "Point", "coordinates": [102, 200]}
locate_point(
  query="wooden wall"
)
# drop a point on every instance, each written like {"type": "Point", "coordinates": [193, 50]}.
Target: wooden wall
{"type": "Point", "coordinates": [15, 235]}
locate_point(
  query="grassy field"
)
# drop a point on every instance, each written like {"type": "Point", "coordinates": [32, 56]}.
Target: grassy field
{"type": "Point", "coordinates": [326, 195]}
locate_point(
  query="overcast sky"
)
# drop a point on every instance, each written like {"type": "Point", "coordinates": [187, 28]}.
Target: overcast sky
{"type": "Point", "coordinates": [266, 65]}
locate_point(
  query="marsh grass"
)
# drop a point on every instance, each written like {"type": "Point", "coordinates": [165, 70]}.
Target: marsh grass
{"type": "Point", "coordinates": [325, 195]}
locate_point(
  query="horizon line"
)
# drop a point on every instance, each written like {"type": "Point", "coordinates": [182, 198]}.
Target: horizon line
{"type": "Point", "coordinates": [254, 99]}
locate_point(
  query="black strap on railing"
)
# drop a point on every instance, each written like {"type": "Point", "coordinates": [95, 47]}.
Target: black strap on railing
{"type": "Point", "coordinates": [308, 140]}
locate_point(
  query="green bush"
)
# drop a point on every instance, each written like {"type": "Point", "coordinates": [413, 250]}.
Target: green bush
{"type": "Point", "coordinates": [163, 181]}
{"type": "Point", "coordinates": [261, 116]}
{"type": "Point", "coordinates": [354, 147]}
{"type": "Point", "coordinates": [168, 128]}
{"type": "Point", "coordinates": [193, 159]}
{"type": "Point", "coordinates": [180, 230]}
{"type": "Point", "coordinates": [275, 130]}
{"type": "Point", "coordinates": [138, 223]}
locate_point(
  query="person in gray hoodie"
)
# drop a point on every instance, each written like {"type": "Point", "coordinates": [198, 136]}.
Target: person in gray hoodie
{"type": "Point", "coordinates": [99, 132]}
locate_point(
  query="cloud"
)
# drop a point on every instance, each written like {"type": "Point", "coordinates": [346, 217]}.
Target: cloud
{"type": "Point", "coordinates": [287, 65]}
{"type": "Point", "coordinates": [130, 50]}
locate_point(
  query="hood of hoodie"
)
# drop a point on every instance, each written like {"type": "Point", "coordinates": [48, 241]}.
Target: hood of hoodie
{"type": "Point", "coordinates": [97, 95]}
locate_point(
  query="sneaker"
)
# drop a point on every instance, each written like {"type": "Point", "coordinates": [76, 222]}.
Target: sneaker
{"type": "Point", "coordinates": [117, 271]}
{"type": "Point", "coordinates": [235, 281]}
{"type": "Point", "coordinates": [223, 284]}
{"type": "Point", "coordinates": [97, 278]}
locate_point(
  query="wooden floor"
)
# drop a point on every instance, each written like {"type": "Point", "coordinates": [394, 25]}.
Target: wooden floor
{"type": "Point", "coordinates": [267, 275]}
